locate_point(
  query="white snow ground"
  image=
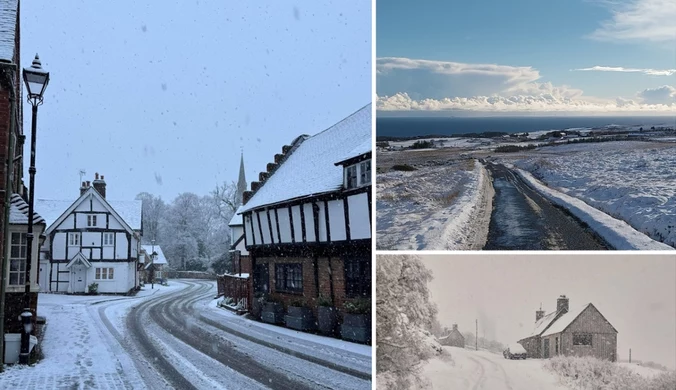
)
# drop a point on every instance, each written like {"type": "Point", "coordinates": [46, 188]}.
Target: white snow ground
{"type": "Point", "coordinates": [631, 181]}
{"type": "Point", "coordinates": [478, 370]}
{"type": "Point", "coordinates": [435, 207]}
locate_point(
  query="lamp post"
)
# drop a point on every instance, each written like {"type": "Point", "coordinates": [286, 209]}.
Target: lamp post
{"type": "Point", "coordinates": [36, 80]}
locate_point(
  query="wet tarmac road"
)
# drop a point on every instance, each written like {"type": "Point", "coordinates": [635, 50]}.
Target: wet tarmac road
{"type": "Point", "coordinates": [522, 219]}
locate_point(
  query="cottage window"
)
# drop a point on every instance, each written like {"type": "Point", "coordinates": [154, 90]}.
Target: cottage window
{"type": "Point", "coordinates": [365, 172]}
{"type": "Point", "coordinates": [91, 220]}
{"type": "Point", "coordinates": [261, 278]}
{"type": "Point", "coordinates": [17, 260]}
{"type": "Point", "coordinates": [351, 175]}
{"type": "Point", "coordinates": [357, 277]}
{"type": "Point", "coordinates": [104, 273]}
{"type": "Point", "coordinates": [73, 239]}
{"type": "Point", "coordinates": [289, 277]}
{"type": "Point", "coordinates": [582, 339]}
{"type": "Point", "coordinates": [108, 239]}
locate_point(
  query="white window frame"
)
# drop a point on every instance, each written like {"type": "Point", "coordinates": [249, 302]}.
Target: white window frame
{"type": "Point", "coordinates": [21, 260]}
{"type": "Point", "coordinates": [74, 238]}
{"type": "Point", "coordinates": [104, 273]}
{"type": "Point", "coordinates": [360, 170]}
{"type": "Point", "coordinates": [91, 220]}
{"type": "Point", "coordinates": [108, 239]}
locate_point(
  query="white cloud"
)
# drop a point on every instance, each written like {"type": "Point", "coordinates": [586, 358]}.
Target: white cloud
{"type": "Point", "coordinates": [651, 72]}
{"type": "Point", "coordinates": [424, 79]}
{"type": "Point", "coordinates": [405, 84]}
{"type": "Point", "coordinates": [639, 21]}
{"type": "Point", "coordinates": [544, 102]}
{"type": "Point", "coordinates": [665, 94]}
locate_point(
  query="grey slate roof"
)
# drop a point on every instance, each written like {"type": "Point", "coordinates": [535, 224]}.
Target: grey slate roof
{"type": "Point", "coordinates": [18, 212]}
{"type": "Point", "coordinates": [8, 17]}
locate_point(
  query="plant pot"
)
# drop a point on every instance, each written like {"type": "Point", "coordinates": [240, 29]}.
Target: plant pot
{"type": "Point", "coordinates": [257, 308]}
{"type": "Point", "coordinates": [327, 320]}
{"type": "Point", "coordinates": [356, 327]}
{"type": "Point", "coordinates": [300, 318]}
{"type": "Point", "coordinates": [273, 313]}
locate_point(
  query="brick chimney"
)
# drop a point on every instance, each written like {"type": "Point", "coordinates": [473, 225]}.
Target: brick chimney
{"type": "Point", "coordinates": [562, 304]}
{"type": "Point", "coordinates": [100, 185]}
{"type": "Point", "coordinates": [455, 326]}
{"type": "Point", "coordinates": [83, 188]}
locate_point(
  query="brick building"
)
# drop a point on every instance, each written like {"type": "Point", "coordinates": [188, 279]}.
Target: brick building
{"type": "Point", "coordinates": [307, 221]}
{"type": "Point", "coordinates": [581, 331]}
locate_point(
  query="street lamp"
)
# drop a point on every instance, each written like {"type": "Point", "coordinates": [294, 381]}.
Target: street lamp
{"type": "Point", "coordinates": [36, 80]}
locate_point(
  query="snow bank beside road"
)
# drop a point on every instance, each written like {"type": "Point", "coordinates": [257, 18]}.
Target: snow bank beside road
{"type": "Point", "coordinates": [629, 180]}
{"type": "Point", "coordinates": [435, 207]}
{"type": "Point", "coordinates": [617, 233]}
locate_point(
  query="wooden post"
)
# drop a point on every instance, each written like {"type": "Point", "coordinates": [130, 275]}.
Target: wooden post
{"type": "Point", "coordinates": [629, 355]}
{"type": "Point", "coordinates": [476, 336]}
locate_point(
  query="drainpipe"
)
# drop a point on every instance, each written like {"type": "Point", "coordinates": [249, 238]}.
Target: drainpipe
{"type": "Point", "coordinates": [10, 70]}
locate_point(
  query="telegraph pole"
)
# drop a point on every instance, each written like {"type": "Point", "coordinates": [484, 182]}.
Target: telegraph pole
{"type": "Point", "coordinates": [476, 336]}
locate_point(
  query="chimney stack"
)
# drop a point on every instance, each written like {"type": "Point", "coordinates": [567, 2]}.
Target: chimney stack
{"type": "Point", "coordinates": [539, 314]}
{"type": "Point", "coordinates": [100, 185]}
{"type": "Point", "coordinates": [562, 304]}
{"type": "Point", "coordinates": [455, 326]}
{"type": "Point", "coordinates": [83, 188]}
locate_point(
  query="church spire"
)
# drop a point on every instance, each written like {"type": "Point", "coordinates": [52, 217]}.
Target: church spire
{"type": "Point", "coordinates": [241, 183]}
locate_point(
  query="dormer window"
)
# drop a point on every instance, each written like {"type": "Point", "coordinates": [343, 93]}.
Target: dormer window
{"type": "Point", "coordinates": [358, 174]}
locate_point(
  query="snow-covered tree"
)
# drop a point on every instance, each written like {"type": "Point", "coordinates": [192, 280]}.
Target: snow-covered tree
{"type": "Point", "coordinates": [404, 316]}
{"type": "Point", "coordinates": [153, 212]}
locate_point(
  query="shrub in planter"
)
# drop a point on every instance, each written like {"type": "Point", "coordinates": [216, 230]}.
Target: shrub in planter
{"type": "Point", "coordinates": [259, 300]}
{"type": "Point", "coordinates": [273, 311]}
{"type": "Point", "coordinates": [93, 288]}
{"type": "Point", "coordinates": [327, 316]}
{"type": "Point", "coordinates": [300, 316]}
{"type": "Point", "coordinates": [357, 321]}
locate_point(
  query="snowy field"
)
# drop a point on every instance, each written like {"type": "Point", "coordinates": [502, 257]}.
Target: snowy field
{"type": "Point", "coordinates": [441, 205]}
{"type": "Point", "coordinates": [470, 369]}
{"type": "Point", "coordinates": [631, 181]}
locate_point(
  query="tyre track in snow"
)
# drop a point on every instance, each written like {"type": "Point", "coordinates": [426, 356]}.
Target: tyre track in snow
{"type": "Point", "coordinates": [275, 358]}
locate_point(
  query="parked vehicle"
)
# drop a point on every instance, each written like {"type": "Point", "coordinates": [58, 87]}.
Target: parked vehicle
{"type": "Point", "coordinates": [514, 351]}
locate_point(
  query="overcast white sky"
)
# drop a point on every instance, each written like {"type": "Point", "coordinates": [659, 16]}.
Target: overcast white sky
{"type": "Point", "coordinates": [636, 293]}
{"type": "Point", "coordinates": [162, 96]}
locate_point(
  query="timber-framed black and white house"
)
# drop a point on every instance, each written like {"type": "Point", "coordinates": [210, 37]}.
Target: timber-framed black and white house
{"type": "Point", "coordinates": [90, 240]}
{"type": "Point", "coordinates": [307, 221]}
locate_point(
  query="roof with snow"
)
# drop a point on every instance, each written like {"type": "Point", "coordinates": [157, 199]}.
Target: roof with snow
{"type": "Point", "coordinates": [160, 255]}
{"type": "Point", "coordinates": [361, 149]}
{"type": "Point", "coordinates": [18, 212]}
{"type": "Point", "coordinates": [128, 210]}
{"type": "Point", "coordinates": [543, 323]}
{"type": "Point", "coordinates": [237, 219]}
{"type": "Point", "coordinates": [566, 319]}
{"type": "Point", "coordinates": [8, 18]}
{"type": "Point", "coordinates": [310, 169]}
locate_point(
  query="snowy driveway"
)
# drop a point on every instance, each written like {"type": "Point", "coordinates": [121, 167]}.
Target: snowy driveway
{"type": "Point", "coordinates": [177, 338]}
{"type": "Point", "coordinates": [477, 370]}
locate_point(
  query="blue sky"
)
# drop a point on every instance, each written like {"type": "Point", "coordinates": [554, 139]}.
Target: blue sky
{"type": "Point", "coordinates": [528, 48]}
{"type": "Point", "coordinates": [162, 96]}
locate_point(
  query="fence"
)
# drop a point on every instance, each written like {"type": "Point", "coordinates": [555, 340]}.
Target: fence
{"type": "Point", "coordinates": [174, 274]}
{"type": "Point", "coordinates": [237, 288]}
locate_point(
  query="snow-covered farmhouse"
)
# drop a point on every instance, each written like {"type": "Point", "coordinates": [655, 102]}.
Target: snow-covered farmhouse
{"type": "Point", "coordinates": [152, 256]}
{"type": "Point", "coordinates": [90, 240]}
{"type": "Point", "coordinates": [581, 331]}
{"type": "Point", "coordinates": [454, 338]}
{"type": "Point", "coordinates": [307, 221]}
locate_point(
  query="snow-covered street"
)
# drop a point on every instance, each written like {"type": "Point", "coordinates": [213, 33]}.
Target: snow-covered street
{"type": "Point", "coordinates": [176, 337]}
{"type": "Point", "coordinates": [478, 370]}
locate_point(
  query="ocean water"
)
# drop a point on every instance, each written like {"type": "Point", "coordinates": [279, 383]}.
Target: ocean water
{"type": "Point", "coordinates": [416, 126]}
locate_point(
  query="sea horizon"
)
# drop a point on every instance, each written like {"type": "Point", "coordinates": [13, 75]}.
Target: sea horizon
{"type": "Point", "coordinates": [415, 126]}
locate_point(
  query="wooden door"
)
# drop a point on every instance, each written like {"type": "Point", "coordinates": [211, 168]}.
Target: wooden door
{"type": "Point", "coordinates": [546, 349]}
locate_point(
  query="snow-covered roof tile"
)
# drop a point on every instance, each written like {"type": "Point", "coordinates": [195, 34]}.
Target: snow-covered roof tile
{"type": "Point", "coordinates": [129, 210]}
{"type": "Point", "coordinates": [8, 16]}
{"type": "Point", "coordinates": [18, 212]}
{"type": "Point", "coordinates": [542, 324]}
{"type": "Point", "coordinates": [160, 255]}
{"type": "Point", "coordinates": [237, 219]}
{"type": "Point", "coordinates": [562, 322]}
{"type": "Point", "coordinates": [363, 148]}
{"type": "Point", "coordinates": [310, 169]}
